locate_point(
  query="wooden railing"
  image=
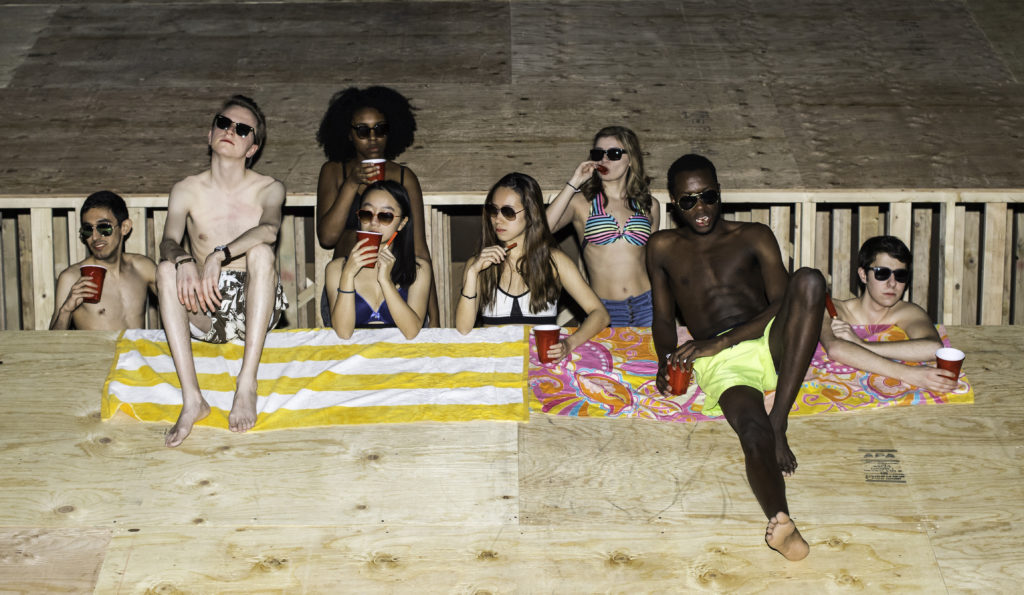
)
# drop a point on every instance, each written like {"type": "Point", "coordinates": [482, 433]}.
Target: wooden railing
{"type": "Point", "coordinates": [968, 246]}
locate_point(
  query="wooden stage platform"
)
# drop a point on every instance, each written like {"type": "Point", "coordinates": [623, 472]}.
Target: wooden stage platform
{"type": "Point", "coordinates": [553, 505]}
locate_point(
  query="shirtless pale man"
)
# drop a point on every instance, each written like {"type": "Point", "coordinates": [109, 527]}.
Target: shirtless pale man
{"type": "Point", "coordinates": [129, 279]}
{"type": "Point", "coordinates": [226, 287]}
{"type": "Point", "coordinates": [884, 271]}
{"type": "Point", "coordinates": [754, 329]}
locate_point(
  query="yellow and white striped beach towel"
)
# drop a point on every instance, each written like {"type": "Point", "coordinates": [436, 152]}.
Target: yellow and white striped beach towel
{"type": "Point", "coordinates": [310, 377]}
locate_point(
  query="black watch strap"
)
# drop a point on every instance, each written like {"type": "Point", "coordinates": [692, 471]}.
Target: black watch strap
{"type": "Point", "coordinates": [224, 249]}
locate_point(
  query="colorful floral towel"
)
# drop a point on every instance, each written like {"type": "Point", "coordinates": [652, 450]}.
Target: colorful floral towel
{"type": "Point", "coordinates": [613, 376]}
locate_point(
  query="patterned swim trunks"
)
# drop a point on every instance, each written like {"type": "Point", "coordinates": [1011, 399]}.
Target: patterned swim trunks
{"type": "Point", "coordinates": [229, 319]}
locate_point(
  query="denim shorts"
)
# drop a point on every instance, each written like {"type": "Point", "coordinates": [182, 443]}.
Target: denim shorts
{"type": "Point", "coordinates": [633, 311]}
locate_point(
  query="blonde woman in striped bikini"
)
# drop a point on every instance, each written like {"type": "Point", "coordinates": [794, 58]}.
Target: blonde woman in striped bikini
{"type": "Point", "coordinates": [609, 203]}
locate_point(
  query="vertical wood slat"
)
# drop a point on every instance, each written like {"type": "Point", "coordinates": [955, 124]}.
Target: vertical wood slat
{"type": "Point", "coordinates": [302, 281]}
{"type": "Point", "coordinates": [920, 247]}
{"type": "Point", "coordinates": [1018, 270]}
{"type": "Point", "coordinates": [286, 262]}
{"type": "Point", "coordinates": [322, 257]}
{"type": "Point", "coordinates": [842, 220]}
{"type": "Point", "coordinates": [1007, 289]}
{"type": "Point", "coordinates": [760, 215]}
{"type": "Point", "coordinates": [780, 225]}
{"type": "Point", "coordinates": [901, 222]}
{"type": "Point", "coordinates": [137, 239]}
{"type": "Point", "coordinates": [76, 248]}
{"type": "Point", "coordinates": [804, 233]}
{"type": "Point", "coordinates": [42, 266]}
{"type": "Point", "coordinates": [159, 222]}
{"type": "Point", "coordinates": [972, 265]}
{"type": "Point", "coordinates": [993, 263]}
{"type": "Point", "coordinates": [10, 318]}
{"type": "Point", "coordinates": [445, 310]}
{"type": "Point", "coordinates": [868, 223]}
{"type": "Point", "coordinates": [952, 262]}
{"type": "Point", "coordinates": [61, 243]}
{"type": "Point", "coordinates": [822, 249]}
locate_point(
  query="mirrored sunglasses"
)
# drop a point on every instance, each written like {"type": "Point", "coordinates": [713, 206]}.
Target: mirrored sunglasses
{"type": "Point", "coordinates": [614, 154]}
{"type": "Point", "coordinates": [380, 129]}
{"type": "Point", "coordinates": [882, 274]}
{"type": "Point", "coordinates": [105, 229]}
{"type": "Point", "coordinates": [688, 201]}
{"type": "Point", "coordinates": [223, 122]}
{"type": "Point", "coordinates": [507, 212]}
{"type": "Point", "coordinates": [383, 217]}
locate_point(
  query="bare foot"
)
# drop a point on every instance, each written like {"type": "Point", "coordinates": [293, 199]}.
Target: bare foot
{"type": "Point", "coordinates": [186, 419]}
{"type": "Point", "coordinates": [784, 456]}
{"type": "Point", "coordinates": [783, 537]}
{"type": "Point", "coordinates": [243, 409]}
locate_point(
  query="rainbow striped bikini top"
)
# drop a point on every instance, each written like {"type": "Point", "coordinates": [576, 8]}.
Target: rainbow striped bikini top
{"type": "Point", "coordinates": [602, 229]}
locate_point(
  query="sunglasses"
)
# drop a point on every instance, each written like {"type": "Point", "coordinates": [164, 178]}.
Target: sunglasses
{"type": "Point", "coordinates": [882, 274]}
{"type": "Point", "coordinates": [383, 217]}
{"type": "Point", "coordinates": [507, 212]}
{"type": "Point", "coordinates": [380, 129]}
{"type": "Point", "coordinates": [223, 122]}
{"type": "Point", "coordinates": [688, 201]}
{"type": "Point", "coordinates": [614, 154]}
{"type": "Point", "coordinates": [105, 229]}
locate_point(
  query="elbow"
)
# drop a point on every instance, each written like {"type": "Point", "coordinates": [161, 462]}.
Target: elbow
{"type": "Point", "coordinates": [463, 328]}
{"type": "Point", "coordinates": [343, 333]}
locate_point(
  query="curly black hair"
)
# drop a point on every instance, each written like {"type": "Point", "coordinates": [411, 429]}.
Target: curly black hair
{"type": "Point", "coordinates": [333, 134]}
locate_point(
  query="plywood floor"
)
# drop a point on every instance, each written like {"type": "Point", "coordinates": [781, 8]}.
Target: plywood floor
{"type": "Point", "coordinates": [786, 94]}
{"type": "Point", "coordinates": [553, 505]}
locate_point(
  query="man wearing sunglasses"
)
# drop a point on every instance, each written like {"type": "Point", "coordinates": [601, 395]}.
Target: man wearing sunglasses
{"type": "Point", "coordinates": [226, 286]}
{"type": "Point", "coordinates": [754, 328]}
{"type": "Point", "coordinates": [884, 272]}
{"type": "Point", "coordinates": [129, 278]}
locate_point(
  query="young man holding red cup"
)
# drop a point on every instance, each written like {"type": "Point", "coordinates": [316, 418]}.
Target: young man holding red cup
{"type": "Point", "coordinates": [884, 274]}
{"type": "Point", "coordinates": [119, 301]}
{"type": "Point", "coordinates": [754, 328]}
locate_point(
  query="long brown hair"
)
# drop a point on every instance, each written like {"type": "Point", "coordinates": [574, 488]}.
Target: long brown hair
{"type": "Point", "coordinates": [638, 183]}
{"type": "Point", "coordinates": [535, 266]}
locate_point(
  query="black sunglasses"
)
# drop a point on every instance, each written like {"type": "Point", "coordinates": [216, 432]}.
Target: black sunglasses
{"type": "Point", "coordinates": [380, 129]}
{"type": "Point", "coordinates": [105, 229]}
{"type": "Point", "coordinates": [688, 201]}
{"type": "Point", "coordinates": [882, 274]}
{"type": "Point", "coordinates": [366, 216]}
{"type": "Point", "coordinates": [614, 154]}
{"type": "Point", "coordinates": [223, 122]}
{"type": "Point", "coordinates": [507, 212]}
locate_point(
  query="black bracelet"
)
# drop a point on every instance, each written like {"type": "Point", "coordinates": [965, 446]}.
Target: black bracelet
{"type": "Point", "coordinates": [468, 297]}
{"type": "Point", "coordinates": [340, 290]}
{"type": "Point", "coordinates": [178, 263]}
{"type": "Point", "coordinates": [575, 189]}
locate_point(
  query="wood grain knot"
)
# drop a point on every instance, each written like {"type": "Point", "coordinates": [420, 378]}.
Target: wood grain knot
{"type": "Point", "coordinates": [204, 482]}
{"type": "Point", "coordinates": [67, 508]}
{"type": "Point", "coordinates": [164, 589]}
{"type": "Point", "coordinates": [360, 507]}
{"type": "Point", "coordinates": [487, 555]}
{"type": "Point", "coordinates": [198, 521]}
{"type": "Point", "coordinates": [372, 456]}
{"type": "Point", "coordinates": [384, 560]}
{"type": "Point", "coordinates": [846, 579]}
{"type": "Point", "coordinates": [835, 542]}
{"type": "Point", "coordinates": [620, 558]}
{"type": "Point", "coordinates": [271, 564]}
{"type": "Point", "coordinates": [104, 440]}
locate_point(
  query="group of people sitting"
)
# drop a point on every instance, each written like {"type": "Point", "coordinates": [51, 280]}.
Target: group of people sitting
{"type": "Point", "coordinates": [755, 327]}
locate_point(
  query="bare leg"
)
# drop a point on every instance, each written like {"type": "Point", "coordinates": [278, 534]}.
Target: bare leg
{"type": "Point", "coordinates": [792, 340]}
{"type": "Point", "coordinates": [743, 407]}
{"type": "Point", "coordinates": [259, 303]}
{"type": "Point", "coordinates": [175, 319]}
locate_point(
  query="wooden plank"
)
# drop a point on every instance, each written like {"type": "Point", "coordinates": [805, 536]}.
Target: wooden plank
{"type": "Point", "coordinates": [65, 560]}
{"type": "Point", "coordinates": [287, 267]}
{"type": "Point", "coordinates": [1018, 269]}
{"type": "Point", "coordinates": [323, 256]}
{"type": "Point", "coordinates": [1007, 306]}
{"type": "Point", "coordinates": [760, 216]}
{"type": "Point", "coordinates": [822, 244]}
{"type": "Point", "coordinates": [900, 221]}
{"type": "Point", "coordinates": [77, 248]}
{"type": "Point", "coordinates": [921, 244]}
{"type": "Point", "coordinates": [445, 286]}
{"type": "Point", "coordinates": [842, 282]}
{"type": "Point", "coordinates": [302, 280]}
{"type": "Point", "coordinates": [11, 276]}
{"type": "Point", "coordinates": [159, 221]}
{"type": "Point", "coordinates": [25, 271]}
{"type": "Point", "coordinates": [805, 232]}
{"type": "Point", "coordinates": [993, 263]}
{"type": "Point", "coordinates": [869, 223]}
{"type": "Point", "coordinates": [61, 244]}
{"type": "Point", "coordinates": [43, 276]}
{"type": "Point", "coordinates": [137, 240]}
{"type": "Point", "coordinates": [972, 265]}
{"type": "Point", "coordinates": [781, 226]}
{"type": "Point", "coordinates": [953, 262]}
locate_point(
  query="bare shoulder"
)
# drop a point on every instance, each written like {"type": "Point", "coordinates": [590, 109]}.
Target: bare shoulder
{"type": "Point", "coordinates": [663, 241]}
{"type": "Point", "coordinates": [332, 170]}
{"type": "Point", "coordinates": [909, 314]}
{"type": "Point", "coordinates": [269, 187]}
{"type": "Point", "coordinates": [141, 264]}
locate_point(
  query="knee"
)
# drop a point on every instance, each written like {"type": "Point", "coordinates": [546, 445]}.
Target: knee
{"type": "Point", "coordinates": [757, 439]}
{"type": "Point", "coordinates": [810, 283]}
{"type": "Point", "coordinates": [259, 258]}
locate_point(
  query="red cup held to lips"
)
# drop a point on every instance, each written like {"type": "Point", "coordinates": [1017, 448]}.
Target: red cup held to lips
{"type": "Point", "coordinates": [373, 239]}
{"type": "Point", "coordinates": [379, 165]}
{"type": "Point", "coordinates": [97, 274]}
{"type": "Point", "coordinates": [544, 336]}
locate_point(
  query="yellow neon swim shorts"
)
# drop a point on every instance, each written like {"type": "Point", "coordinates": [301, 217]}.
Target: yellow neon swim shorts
{"type": "Point", "coordinates": [745, 364]}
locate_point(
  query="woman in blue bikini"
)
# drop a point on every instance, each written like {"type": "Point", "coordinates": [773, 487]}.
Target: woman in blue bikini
{"type": "Point", "coordinates": [520, 272]}
{"type": "Point", "coordinates": [395, 292]}
{"type": "Point", "coordinates": [609, 188]}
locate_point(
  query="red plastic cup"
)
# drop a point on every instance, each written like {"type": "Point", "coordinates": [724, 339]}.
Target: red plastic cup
{"type": "Point", "coordinates": [601, 169]}
{"type": "Point", "coordinates": [950, 359]}
{"type": "Point", "coordinates": [830, 306]}
{"type": "Point", "coordinates": [678, 379]}
{"type": "Point", "coordinates": [374, 240]}
{"type": "Point", "coordinates": [97, 274]}
{"type": "Point", "coordinates": [379, 164]}
{"type": "Point", "coordinates": [544, 336]}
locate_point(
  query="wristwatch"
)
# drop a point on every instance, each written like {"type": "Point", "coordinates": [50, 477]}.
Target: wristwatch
{"type": "Point", "coordinates": [224, 249]}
